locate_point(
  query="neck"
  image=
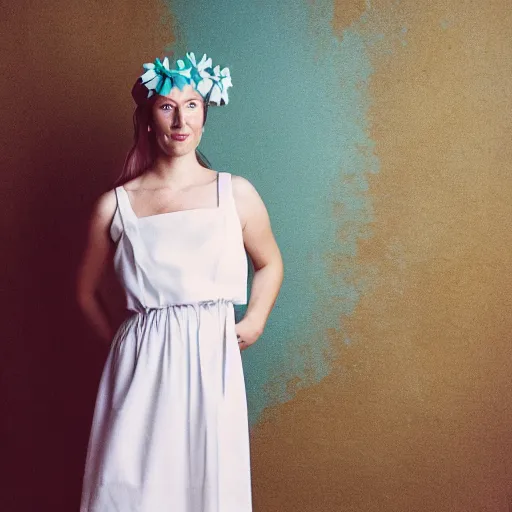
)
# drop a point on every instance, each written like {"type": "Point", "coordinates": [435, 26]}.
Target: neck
{"type": "Point", "coordinates": [177, 171]}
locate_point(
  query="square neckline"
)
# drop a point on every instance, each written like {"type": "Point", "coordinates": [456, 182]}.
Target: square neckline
{"type": "Point", "coordinates": [201, 209]}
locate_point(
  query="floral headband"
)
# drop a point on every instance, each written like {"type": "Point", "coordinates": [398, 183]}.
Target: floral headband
{"type": "Point", "coordinates": [211, 83]}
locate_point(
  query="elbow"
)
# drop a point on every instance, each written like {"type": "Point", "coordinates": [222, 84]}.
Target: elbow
{"type": "Point", "coordinates": [82, 300]}
{"type": "Point", "coordinates": [84, 297]}
{"type": "Point", "coordinates": [273, 266]}
{"type": "Point", "coordinates": [278, 266]}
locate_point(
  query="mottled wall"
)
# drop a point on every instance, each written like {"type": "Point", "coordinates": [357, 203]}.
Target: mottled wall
{"type": "Point", "coordinates": [378, 134]}
{"type": "Point", "coordinates": [415, 414]}
{"type": "Point", "coordinates": [67, 70]}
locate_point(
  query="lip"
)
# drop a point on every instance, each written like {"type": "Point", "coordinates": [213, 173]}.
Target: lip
{"type": "Point", "coordinates": [179, 136]}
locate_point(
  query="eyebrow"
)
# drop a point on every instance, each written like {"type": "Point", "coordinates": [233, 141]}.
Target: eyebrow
{"type": "Point", "coordinates": [162, 100]}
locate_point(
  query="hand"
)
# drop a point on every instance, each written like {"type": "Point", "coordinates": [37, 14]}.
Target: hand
{"type": "Point", "coordinates": [247, 333]}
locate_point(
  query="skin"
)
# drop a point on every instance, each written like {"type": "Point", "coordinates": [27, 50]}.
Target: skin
{"type": "Point", "coordinates": [177, 181]}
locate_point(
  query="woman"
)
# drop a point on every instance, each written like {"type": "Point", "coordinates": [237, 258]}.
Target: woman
{"type": "Point", "coordinates": [170, 430]}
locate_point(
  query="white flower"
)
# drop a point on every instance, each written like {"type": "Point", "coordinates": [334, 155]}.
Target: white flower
{"type": "Point", "coordinates": [208, 81]}
{"type": "Point", "coordinates": [204, 86]}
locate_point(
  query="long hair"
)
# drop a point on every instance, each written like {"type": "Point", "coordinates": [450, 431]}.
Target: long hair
{"type": "Point", "coordinates": [143, 153]}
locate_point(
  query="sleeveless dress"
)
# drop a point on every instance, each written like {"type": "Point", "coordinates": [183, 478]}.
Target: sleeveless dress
{"type": "Point", "coordinates": [170, 429]}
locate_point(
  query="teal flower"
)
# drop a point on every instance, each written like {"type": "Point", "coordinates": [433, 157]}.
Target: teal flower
{"type": "Point", "coordinates": [159, 79]}
{"type": "Point", "coordinates": [210, 82]}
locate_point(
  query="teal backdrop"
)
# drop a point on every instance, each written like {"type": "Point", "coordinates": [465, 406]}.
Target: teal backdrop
{"type": "Point", "coordinates": [295, 127]}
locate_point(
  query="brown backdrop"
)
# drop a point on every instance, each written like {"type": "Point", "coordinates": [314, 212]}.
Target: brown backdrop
{"type": "Point", "coordinates": [416, 415]}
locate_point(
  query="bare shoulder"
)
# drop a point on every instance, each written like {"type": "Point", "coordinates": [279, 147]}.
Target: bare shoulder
{"type": "Point", "coordinates": [243, 189]}
{"type": "Point", "coordinates": [248, 201]}
{"type": "Point", "coordinates": [133, 184]}
{"type": "Point", "coordinates": [104, 208]}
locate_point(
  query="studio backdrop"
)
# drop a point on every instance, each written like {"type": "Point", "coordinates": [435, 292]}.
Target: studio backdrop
{"type": "Point", "coordinates": [378, 134]}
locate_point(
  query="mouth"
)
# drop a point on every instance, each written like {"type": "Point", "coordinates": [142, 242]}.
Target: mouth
{"type": "Point", "coordinates": [179, 136]}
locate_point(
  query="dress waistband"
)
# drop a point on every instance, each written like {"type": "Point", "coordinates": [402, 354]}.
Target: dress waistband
{"type": "Point", "coordinates": [202, 303]}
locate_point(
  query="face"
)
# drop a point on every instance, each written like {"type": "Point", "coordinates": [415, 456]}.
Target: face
{"type": "Point", "coordinates": [178, 121]}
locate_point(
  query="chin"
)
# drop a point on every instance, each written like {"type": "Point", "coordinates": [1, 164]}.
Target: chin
{"type": "Point", "coordinates": [176, 150]}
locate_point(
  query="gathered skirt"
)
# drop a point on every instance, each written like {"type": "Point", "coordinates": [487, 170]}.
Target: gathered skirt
{"type": "Point", "coordinates": [170, 430]}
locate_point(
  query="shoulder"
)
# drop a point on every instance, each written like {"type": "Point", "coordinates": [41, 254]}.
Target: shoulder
{"type": "Point", "coordinates": [105, 207]}
{"type": "Point", "coordinates": [248, 202]}
{"type": "Point", "coordinates": [133, 184]}
{"type": "Point", "coordinates": [242, 188]}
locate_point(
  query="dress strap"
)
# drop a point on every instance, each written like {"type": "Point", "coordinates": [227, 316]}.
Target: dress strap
{"type": "Point", "coordinates": [119, 213]}
{"type": "Point", "coordinates": [131, 230]}
{"type": "Point", "coordinates": [225, 190]}
{"type": "Point", "coordinates": [116, 226]}
{"type": "Point", "coordinates": [125, 208]}
{"type": "Point", "coordinates": [126, 214]}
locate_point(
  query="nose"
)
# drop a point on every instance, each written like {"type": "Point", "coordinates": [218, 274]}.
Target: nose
{"type": "Point", "coordinates": [178, 119]}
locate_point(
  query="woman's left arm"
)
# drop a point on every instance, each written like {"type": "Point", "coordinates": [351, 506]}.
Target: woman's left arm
{"type": "Point", "coordinates": [262, 248]}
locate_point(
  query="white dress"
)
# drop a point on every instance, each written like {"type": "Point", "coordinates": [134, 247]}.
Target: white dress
{"type": "Point", "coordinates": [170, 430]}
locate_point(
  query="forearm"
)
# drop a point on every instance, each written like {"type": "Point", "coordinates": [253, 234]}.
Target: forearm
{"type": "Point", "coordinates": [264, 291]}
{"type": "Point", "coordinates": [97, 317]}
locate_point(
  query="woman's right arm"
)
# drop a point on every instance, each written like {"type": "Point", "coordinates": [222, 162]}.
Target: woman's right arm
{"type": "Point", "coordinates": [96, 257]}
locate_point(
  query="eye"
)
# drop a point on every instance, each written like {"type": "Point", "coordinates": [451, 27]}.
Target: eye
{"type": "Point", "coordinates": [166, 106]}
{"type": "Point", "coordinates": [193, 104]}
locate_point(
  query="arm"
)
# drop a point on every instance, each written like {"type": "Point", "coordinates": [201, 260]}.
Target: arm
{"type": "Point", "coordinates": [262, 248]}
{"type": "Point", "coordinates": [96, 256]}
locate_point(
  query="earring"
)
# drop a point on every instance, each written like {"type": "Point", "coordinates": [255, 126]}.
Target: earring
{"type": "Point", "coordinates": [149, 128]}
